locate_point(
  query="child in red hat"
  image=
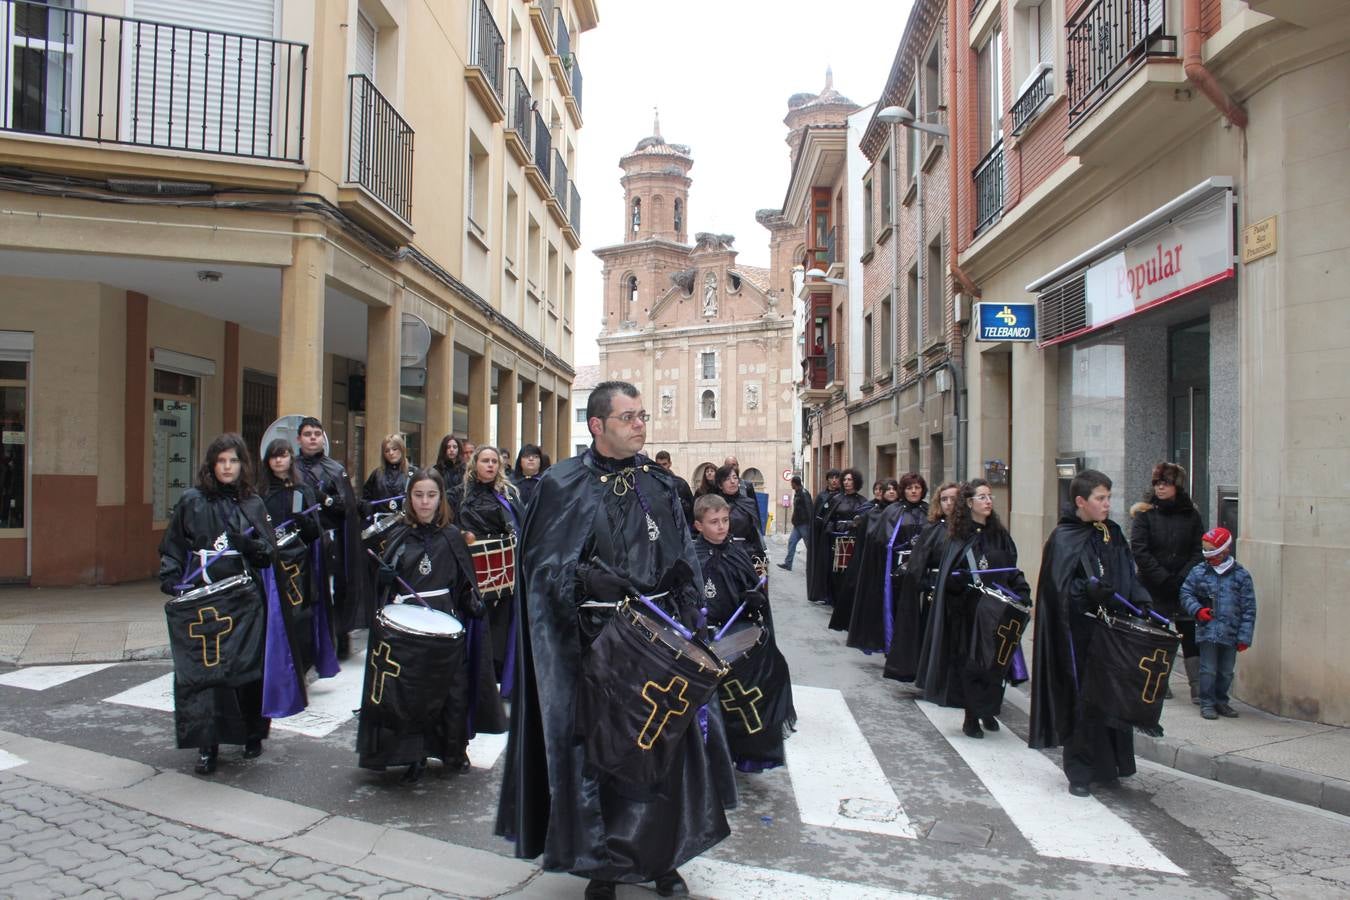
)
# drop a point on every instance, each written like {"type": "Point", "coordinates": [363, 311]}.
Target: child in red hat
{"type": "Point", "coordinates": [1220, 594]}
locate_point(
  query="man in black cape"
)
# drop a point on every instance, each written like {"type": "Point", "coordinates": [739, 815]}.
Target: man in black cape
{"type": "Point", "coordinates": [681, 487]}
{"type": "Point", "coordinates": [344, 558]}
{"type": "Point", "coordinates": [621, 531]}
{"type": "Point", "coordinates": [819, 558]}
{"type": "Point", "coordinates": [1086, 561]}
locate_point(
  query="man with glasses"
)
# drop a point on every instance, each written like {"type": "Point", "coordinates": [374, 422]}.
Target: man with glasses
{"type": "Point", "coordinates": [604, 526]}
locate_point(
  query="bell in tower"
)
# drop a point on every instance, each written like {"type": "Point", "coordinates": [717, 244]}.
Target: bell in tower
{"type": "Point", "coordinates": [656, 189]}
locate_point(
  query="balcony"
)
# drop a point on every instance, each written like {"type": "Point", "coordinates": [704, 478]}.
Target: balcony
{"type": "Point", "coordinates": [518, 118]}
{"type": "Point", "coordinates": [541, 17]}
{"type": "Point", "coordinates": [538, 168]}
{"type": "Point", "coordinates": [572, 229]}
{"type": "Point", "coordinates": [557, 200]}
{"type": "Point", "coordinates": [379, 157]}
{"type": "Point", "coordinates": [988, 176]}
{"type": "Point", "coordinates": [574, 101]}
{"type": "Point", "coordinates": [1034, 98]}
{"type": "Point", "coordinates": [142, 85]}
{"type": "Point", "coordinates": [1106, 40]}
{"type": "Point", "coordinates": [833, 250]}
{"type": "Point", "coordinates": [487, 51]}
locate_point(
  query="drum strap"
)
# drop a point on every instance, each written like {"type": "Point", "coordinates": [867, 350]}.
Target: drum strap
{"type": "Point", "coordinates": [974, 569]}
{"type": "Point", "coordinates": [424, 595]}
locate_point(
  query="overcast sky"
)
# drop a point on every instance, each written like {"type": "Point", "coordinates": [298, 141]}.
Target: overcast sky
{"type": "Point", "coordinates": [721, 73]}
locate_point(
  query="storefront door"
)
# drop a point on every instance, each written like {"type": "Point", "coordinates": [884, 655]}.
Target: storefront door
{"type": "Point", "coordinates": [1188, 405]}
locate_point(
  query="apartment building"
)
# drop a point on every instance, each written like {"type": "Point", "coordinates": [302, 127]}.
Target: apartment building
{"type": "Point", "coordinates": [1164, 180]}
{"type": "Point", "coordinates": [213, 214]}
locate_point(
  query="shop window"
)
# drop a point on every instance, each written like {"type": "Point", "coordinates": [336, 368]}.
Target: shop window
{"type": "Point", "coordinates": [13, 443]}
{"type": "Point", "coordinates": [176, 420]}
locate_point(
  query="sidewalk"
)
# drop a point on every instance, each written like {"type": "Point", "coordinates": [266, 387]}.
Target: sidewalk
{"type": "Point", "coordinates": [1300, 761]}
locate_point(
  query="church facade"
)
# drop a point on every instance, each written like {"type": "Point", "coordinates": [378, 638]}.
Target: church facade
{"type": "Point", "coordinates": [707, 340]}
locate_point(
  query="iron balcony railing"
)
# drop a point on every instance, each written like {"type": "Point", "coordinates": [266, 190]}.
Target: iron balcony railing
{"type": "Point", "coordinates": [988, 177]}
{"type": "Point", "coordinates": [1105, 41]}
{"type": "Point", "coordinates": [561, 39]}
{"type": "Point", "coordinates": [487, 49]}
{"type": "Point", "coordinates": [576, 82]}
{"type": "Point", "coordinates": [546, 7]}
{"type": "Point", "coordinates": [559, 180]}
{"type": "Point", "coordinates": [379, 147]}
{"type": "Point", "coordinates": [832, 359]}
{"type": "Point", "coordinates": [543, 144]}
{"type": "Point", "coordinates": [118, 80]}
{"type": "Point", "coordinates": [832, 247]}
{"type": "Point", "coordinates": [518, 107]}
{"type": "Point", "coordinates": [1033, 98]}
{"type": "Point", "coordinates": [574, 209]}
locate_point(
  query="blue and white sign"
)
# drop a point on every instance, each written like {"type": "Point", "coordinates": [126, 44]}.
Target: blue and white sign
{"type": "Point", "coordinates": [1005, 321]}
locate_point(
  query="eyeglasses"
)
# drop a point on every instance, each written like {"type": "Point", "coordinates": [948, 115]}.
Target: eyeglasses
{"type": "Point", "coordinates": [629, 418]}
{"type": "Point", "coordinates": [1162, 481]}
{"type": "Point", "coordinates": [989, 498]}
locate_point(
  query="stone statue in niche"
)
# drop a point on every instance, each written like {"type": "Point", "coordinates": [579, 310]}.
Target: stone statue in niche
{"type": "Point", "coordinates": [752, 396]}
{"type": "Point", "coordinates": [667, 401]}
{"type": "Point", "coordinates": [710, 294]}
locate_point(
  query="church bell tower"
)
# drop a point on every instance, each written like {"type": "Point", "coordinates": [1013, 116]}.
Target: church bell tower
{"type": "Point", "coordinates": [656, 189]}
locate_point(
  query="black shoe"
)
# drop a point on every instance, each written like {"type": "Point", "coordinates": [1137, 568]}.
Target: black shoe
{"type": "Point", "coordinates": [459, 763]}
{"type": "Point", "coordinates": [1079, 790]}
{"type": "Point", "coordinates": [971, 728]}
{"type": "Point", "coordinates": [600, 890]}
{"type": "Point", "coordinates": [1225, 710]}
{"type": "Point", "coordinates": [206, 760]}
{"type": "Point", "coordinates": [1167, 695]}
{"type": "Point", "coordinates": [671, 885]}
{"type": "Point", "coordinates": [784, 567]}
{"type": "Point", "coordinates": [414, 773]}
{"type": "Point", "coordinates": [989, 723]}
{"type": "Point", "coordinates": [253, 748]}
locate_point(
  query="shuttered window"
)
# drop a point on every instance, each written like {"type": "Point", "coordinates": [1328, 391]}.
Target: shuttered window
{"type": "Point", "coordinates": [1062, 308]}
{"type": "Point", "coordinates": [203, 75]}
{"type": "Point", "coordinates": [365, 46]}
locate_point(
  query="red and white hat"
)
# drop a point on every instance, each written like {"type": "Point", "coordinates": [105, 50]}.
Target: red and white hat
{"type": "Point", "coordinates": [1219, 538]}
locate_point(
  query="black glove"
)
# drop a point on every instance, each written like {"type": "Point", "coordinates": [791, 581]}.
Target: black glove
{"type": "Point", "coordinates": [1100, 593]}
{"type": "Point", "coordinates": [309, 529]}
{"type": "Point", "coordinates": [754, 600]}
{"type": "Point", "coordinates": [169, 585]}
{"type": "Point", "coordinates": [255, 550]}
{"type": "Point", "coordinates": [385, 576]}
{"type": "Point", "coordinates": [678, 575]}
{"type": "Point", "coordinates": [474, 607]}
{"type": "Point", "coordinates": [604, 585]}
{"type": "Point", "coordinates": [366, 508]}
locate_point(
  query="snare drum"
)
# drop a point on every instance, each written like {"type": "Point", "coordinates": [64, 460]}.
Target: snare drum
{"type": "Point", "coordinates": [370, 535]}
{"type": "Point", "coordinates": [999, 622]}
{"type": "Point", "coordinates": [494, 564]}
{"type": "Point", "coordinates": [1125, 672]}
{"type": "Point", "coordinates": [901, 563]}
{"type": "Point", "coordinates": [756, 695]}
{"type": "Point", "coordinates": [216, 633]}
{"type": "Point", "coordinates": [742, 637]}
{"type": "Point", "coordinates": [843, 551]}
{"type": "Point", "coordinates": [414, 659]}
{"type": "Point", "coordinates": [641, 686]}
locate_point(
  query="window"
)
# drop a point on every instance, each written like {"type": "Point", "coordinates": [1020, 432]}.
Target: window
{"type": "Point", "coordinates": [1035, 40]}
{"type": "Point", "coordinates": [637, 214]}
{"type": "Point", "coordinates": [932, 85]}
{"type": "Point", "coordinates": [913, 142]}
{"type": "Point", "coordinates": [936, 464]}
{"type": "Point", "coordinates": [630, 292]}
{"type": "Point", "coordinates": [708, 405]}
{"type": "Point", "coordinates": [887, 339]}
{"type": "Point", "coordinates": [679, 216]}
{"type": "Point", "coordinates": [533, 251]}
{"type": "Point", "coordinates": [567, 295]}
{"type": "Point", "coordinates": [935, 280]}
{"type": "Point", "coordinates": [581, 415]}
{"type": "Point", "coordinates": [176, 414]}
{"type": "Point", "coordinates": [887, 194]}
{"type": "Point", "coordinates": [478, 201]}
{"type": "Point", "coordinates": [511, 236]}
{"type": "Point", "coordinates": [867, 347]}
{"type": "Point", "coordinates": [14, 429]}
{"type": "Point", "coordinates": [709, 362]}
{"type": "Point", "coordinates": [989, 85]}
{"type": "Point", "coordinates": [912, 310]}
{"type": "Point", "coordinates": [43, 97]}
{"type": "Point", "coordinates": [869, 235]}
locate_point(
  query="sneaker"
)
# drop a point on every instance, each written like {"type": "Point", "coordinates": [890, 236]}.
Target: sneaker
{"type": "Point", "coordinates": [785, 567]}
{"type": "Point", "coordinates": [1208, 712]}
{"type": "Point", "coordinates": [1225, 710]}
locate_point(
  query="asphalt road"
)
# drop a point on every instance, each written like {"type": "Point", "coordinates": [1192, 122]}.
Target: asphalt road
{"type": "Point", "coordinates": [882, 796]}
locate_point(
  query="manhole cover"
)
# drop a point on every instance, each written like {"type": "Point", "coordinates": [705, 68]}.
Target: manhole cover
{"type": "Point", "coordinates": [869, 810]}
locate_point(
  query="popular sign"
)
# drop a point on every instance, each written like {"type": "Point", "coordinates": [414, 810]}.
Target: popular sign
{"type": "Point", "coordinates": [1005, 321]}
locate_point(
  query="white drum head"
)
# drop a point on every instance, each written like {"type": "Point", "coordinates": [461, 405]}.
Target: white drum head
{"type": "Point", "coordinates": [420, 619]}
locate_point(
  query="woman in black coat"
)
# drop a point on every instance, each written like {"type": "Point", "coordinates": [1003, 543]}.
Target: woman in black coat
{"type": "Point", "coordinates": [489, 509]}
{"type": "Point", "coordinates": [836, 524]}
{"type": "Point", "coordinates": [291, 503]}
{"type": "Point", "coordinates": [1165, 540]}
{"type": "Point", "coordinates": [448, 463]}
{"type": "Point", "coordinates": [529, 469]}
{"type": "Point", "coordinates": [390, 478]}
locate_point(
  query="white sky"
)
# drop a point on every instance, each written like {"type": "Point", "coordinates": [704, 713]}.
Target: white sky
{"type": "Point", "coordinates": [721, 73]}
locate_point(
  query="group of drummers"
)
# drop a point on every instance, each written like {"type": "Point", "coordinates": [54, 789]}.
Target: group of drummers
{"type": "Point", "coordinates": [271, 567]}
{"type": "Point", "coordinates": [938, 591]}
{"type": "Point", "coordinates": [634, 661]}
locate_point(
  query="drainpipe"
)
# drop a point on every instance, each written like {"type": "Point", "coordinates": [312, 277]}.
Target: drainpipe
{"type": "Point", "coordinates": [953, 217]}
{"type": "Point", "coordinates": [894, 199]}
{"type": "Point", "coordinates": [1194, 67]}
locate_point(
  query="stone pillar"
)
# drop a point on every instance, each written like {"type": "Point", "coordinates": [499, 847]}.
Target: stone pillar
{"type": "Point", "coordinates": [480, 396]}
{"type": "Point", "coordinates": [507, 407]}
{"type": "Point", "coordinates": [549, 439]}
{"type": "Point", "coordinates": [441, 385]}
{"type": "Point", "coordinates": [562, 436]}
{"type": "Point", "coordinates": [529, 415]}
{"type": "Point", "coordinates": [300, 342]}
{"type": "Point", "coordinates": [384, 332]}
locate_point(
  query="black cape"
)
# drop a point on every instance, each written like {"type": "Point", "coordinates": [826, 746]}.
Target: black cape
{"type": "Point", "coordinates": [1061, 626]}
{"type": "Point", "coordinates": [487, 513]}
{"type": "Point", "coordinates": [294, 573]}
{"type": "Point", "coordinates": [819, 510]}
{"type": "Point", "coordinates": [386, 481]}
{"type": "Point", "coordinates": [552, 802]}
{"type": "Point", "coordinates": [836, 515]}
{"type": "Point", "coordinates": [868, 519]}
{"type": "Point", "coordinates": [913, 598]}
{"type": "Point", "coordinates": [344, 556]}
{"type": "Point", "coordinates": [899, 529]}
{"type": "Point", "coordinates": [943, 673]}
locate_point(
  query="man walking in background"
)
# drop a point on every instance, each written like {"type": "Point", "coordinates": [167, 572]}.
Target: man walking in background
{"type": "Point", "coordinates": [801, 521]}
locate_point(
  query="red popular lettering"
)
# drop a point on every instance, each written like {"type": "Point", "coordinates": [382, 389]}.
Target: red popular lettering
{"type": "Point", "coordinates": [1162, 265]}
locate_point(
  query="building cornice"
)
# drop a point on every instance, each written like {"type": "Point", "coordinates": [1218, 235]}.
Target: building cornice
{"type": "Point", "coordinates": [819, 144]}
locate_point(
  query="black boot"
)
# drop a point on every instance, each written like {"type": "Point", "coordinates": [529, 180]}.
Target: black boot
{"type": "Point", "coordinates": [206, 759]}
{"type": "Point", "coordinates": [253, 748]}
{"type": "Point", "coordinates": [414, 773]}
{"type": "Point", "coordinates": [989, 723]}
{"type": "Point", "coordinates": [600, 890]}
{"type": "Point", "coordinates": [671, 884]}
{"type": "Point", "coordinates": [971, 727]}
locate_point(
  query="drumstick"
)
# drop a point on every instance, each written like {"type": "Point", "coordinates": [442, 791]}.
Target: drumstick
{"type": "Point", "coordinates": [187, 582]}
{"type": "Point", "coordinates": [386, 500]}
{"type": "Point", "coordinates": [303, 512]}
{"type": "Point", "coordinates": [399, 578]}
{"type": "Point", "coordinates": [737, 614]}
{"type": "Point", "coordinates": [983, 571]}
{"type": "Point", "coordinates": [1134, 609]}
{"type": "Point", "coordinates": [684, 632]}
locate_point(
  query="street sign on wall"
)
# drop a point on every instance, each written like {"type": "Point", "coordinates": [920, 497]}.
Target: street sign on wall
{"type": "Point", "coordinates": [1005, 321]}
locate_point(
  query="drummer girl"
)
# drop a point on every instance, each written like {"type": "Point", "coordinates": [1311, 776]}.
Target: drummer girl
{"type": "Point", "coordinates": [978, 543]}
{"type": "Point", "coordinates": [425, 558]}
{"type": "Point", "coordinates": [390, 478]}
{"type": "Point", "coordinates": [290, 501]}
{"type": "Point", "coordinates": [489, 511]}
{"type": "Point", "coordinates": [218, 529]}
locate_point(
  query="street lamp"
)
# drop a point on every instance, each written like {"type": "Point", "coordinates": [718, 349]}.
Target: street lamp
{"type": "Point", "coordinates": [820, 275]}
{"type": "Point", "coordinates": [898, 115]}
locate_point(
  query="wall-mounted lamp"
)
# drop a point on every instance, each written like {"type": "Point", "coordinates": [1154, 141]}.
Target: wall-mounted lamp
{"type": "Point", "coordinates": [819, 275]}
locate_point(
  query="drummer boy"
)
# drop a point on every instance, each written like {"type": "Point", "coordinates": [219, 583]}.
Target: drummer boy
{"type": "Point", "coordinates": [1220, 594]}
{"type": "Point", "coordinates": [729, 576]}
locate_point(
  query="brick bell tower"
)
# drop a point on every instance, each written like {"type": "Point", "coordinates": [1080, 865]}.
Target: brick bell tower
{"type": "Point", "coordinates": [656, 189]}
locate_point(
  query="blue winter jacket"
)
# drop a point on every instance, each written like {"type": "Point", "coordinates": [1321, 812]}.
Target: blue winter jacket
{"type": "Point", "coordinates": [1233, 599]}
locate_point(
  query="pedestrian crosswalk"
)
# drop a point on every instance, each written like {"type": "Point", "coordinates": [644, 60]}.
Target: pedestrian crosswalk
{"type": "Point", "coordinates": [837, 781]}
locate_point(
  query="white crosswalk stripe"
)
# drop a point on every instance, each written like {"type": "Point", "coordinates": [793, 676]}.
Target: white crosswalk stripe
{"type": "Point", "coordinates": [856, 797]}
{"type": "Point", "coordinates": [10, 761]}
{"type": "Point", "coordinates": [717, 879]}
{"type": "Point", "coordinates": [40, 678]}
{"type": "Point", "coordinates": [1032, 791]}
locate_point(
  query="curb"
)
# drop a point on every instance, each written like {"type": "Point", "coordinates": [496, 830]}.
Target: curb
{"type": "Point", "coordinates": [1321, 791]}
{"type": "Point", "coordinates": [140, 655]}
